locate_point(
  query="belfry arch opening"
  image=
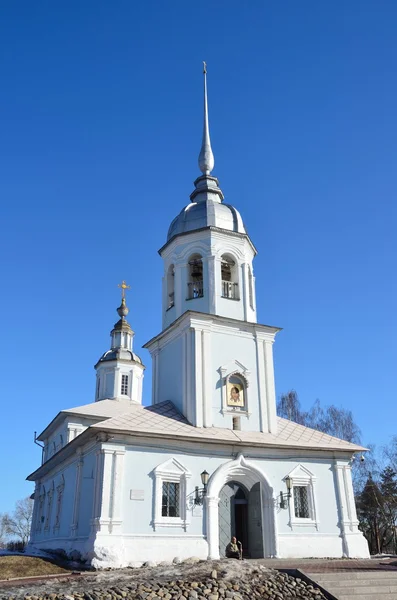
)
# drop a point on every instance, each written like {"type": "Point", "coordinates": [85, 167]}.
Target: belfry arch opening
{"type": "Point", "coordinates": [229, 276]}
{"type": "Point", "coordinates": [170, 286]}
{"type": "Point", "coordinates": [195, 277]}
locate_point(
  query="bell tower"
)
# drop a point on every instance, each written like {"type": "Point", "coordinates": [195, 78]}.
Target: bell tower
{"type": "Point", "coordinates": [208, 254]}
{"type": "Point", "coordinates": [212, 359]}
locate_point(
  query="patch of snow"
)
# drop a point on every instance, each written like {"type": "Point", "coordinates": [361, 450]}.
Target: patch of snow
{"type": "Point", "coordinates": [105, 557]}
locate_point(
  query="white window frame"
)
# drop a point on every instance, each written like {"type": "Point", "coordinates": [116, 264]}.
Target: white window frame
{"type": "Point", "coordinates": [171, 471]}
{"type": "Point", "coordinates": [228, 370]}
{"type": "Point", "coordinates": [302, 477]}
{"type": "Point", "coordinates": [127, 393]}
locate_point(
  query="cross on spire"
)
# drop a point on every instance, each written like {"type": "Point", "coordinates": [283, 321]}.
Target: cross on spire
{"type": "Point", "coordinates": [123, 287]}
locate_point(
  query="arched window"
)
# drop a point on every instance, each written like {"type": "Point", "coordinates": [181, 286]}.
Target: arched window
{"type": "Point", "coordinates": [250, 288]}
{"type": "Point", "coordinates": [195, 280]}
{"type": "Point", "coordinates": [170, 286]}
{"type": "Point", "coordinates": [229, 275]}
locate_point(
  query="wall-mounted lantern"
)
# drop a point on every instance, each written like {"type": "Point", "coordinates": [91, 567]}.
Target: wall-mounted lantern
{"type": "Point", "coordinates": [285, 497]}
{"type": "Point", "coordinates": [200, 493]}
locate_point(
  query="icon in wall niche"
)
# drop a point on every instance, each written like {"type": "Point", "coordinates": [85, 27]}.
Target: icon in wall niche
{"type": "Point", "coordinates": [235, 392]}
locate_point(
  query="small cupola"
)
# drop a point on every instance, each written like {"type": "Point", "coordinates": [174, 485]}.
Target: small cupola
{"type": "Point", "coordinates": [120, 370]}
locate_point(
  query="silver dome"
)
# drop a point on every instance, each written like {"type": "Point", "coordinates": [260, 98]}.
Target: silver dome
{"type": "Point", "coordinates": [210, 213]}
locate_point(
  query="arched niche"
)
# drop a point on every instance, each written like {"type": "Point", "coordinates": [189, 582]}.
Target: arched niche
{"type": "Point", "coordinates": [195, 277]}
{"type": "Point", "coordinates": [229, 277]}
{"type": "Point", "coordinates": [170, 286]}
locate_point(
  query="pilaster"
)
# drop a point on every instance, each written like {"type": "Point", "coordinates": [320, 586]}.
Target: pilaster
{"type": "Point", "coordinates": [211, 261]}
{"type": "Point", "coordinates": [262, 396]}
{"type": "Point", "coordinates": [212, 526]}
{"type": "Point", "coordinates": [198, 383]}
{"type": "Point", "coordinates": [207, 383]}
{"type": "Point", "coordinates": [155, 375]}
{"type": "Point", "coordinates": [108, 518]}
{"type": "Point", "coordinates": [270, 387]}
{"type": "Point", "coordinates": [244, 290]}
{"type": "Point", "coordinates": [35, 515]}
{"type": "Point", "coordinates": [77, 491]}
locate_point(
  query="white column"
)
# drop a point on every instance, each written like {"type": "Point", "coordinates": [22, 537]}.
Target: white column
{"type": "Point", "coordinates": [262, 400]}
{"type": "Point", "coordinates": [77, 490]}
{"type": "Point", "coordinates": [106, 485]}
{"type": "Point", "coordinates": [184, 374]}
{"type": "Point", "coordinates": [97, 496]}
{"type": "Point", "coordinates": [341, 499]}
{"type": "Point", "coordinates": [347, 473]}
{"type": "Point", "coordinates": [116, 507]}
{"type": "Point", "coordinates": [189, 395]}
{"type": "Point", "coordinates": [211, 504]}
{"type": "Point", "coordinates": [244, 294]}
{"type": "Point", "coordinates": [207, 378]}
{"type": "Point", "coordinates": [35, 516]}
{"type": "Point", "coordinates": [180, 294]}
{"type": "Point", "coordinates": [270, 387]}
{"type": "Point", "coordinates": [117, 390]}
{"type": "Point", "coordinates": [198, 382]}
{"type": "Point", "coordinates": [165, 295]}
{"type": "Point", "coordinates": [155, 376]}
{"type": "Point", "coordinates": [212, 283]}
{"type": "Point", "coordinates": [217, 283]}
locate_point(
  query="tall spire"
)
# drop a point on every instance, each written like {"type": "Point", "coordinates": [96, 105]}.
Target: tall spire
{"type": "Point", "coordinates": [206, 158]}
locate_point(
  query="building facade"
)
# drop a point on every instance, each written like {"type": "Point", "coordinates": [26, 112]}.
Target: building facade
{"type": "Point", "coordinates": [122, 483]}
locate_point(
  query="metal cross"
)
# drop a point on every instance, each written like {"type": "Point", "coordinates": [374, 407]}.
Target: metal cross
{"type": "Point", "coordinates": [123, 287]}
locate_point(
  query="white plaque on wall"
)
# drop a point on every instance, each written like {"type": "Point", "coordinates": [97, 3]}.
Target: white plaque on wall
{"type": "Point", "coordinates": [137, 494]}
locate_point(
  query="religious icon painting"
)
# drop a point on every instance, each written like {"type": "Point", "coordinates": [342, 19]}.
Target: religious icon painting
{"type": "Point", "coordinates": [235, 391]}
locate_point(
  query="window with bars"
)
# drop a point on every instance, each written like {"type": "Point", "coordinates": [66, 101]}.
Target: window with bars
{"type": "Point", "coordinates": [170, 499]}
{"type": "Point", "coordinates": [301, 502]}
{"type": "Point", "coordinates": [124, 385]}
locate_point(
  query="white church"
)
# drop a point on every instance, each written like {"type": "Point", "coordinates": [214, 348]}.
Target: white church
{"type": "Point", "coordinates": [124, 483]}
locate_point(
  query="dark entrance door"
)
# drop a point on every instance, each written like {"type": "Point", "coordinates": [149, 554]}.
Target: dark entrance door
{"type": "Point", "coordinates": [233, 517]}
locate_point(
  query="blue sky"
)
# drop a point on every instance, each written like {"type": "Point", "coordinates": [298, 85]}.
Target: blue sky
{"type": "Point", "coordinates": [100, 120]}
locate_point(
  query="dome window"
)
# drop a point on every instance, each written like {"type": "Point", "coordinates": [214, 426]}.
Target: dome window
{"type": "Point", "coordinates": [124, 385]}
{"type": "Point", "coordinates": [229, 278]}
{"type": "Point", "coordinates": [195, 282]}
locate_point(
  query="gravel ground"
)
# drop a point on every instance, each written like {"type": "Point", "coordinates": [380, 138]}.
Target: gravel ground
{"type": "Point", "coordinates": [190, 580]}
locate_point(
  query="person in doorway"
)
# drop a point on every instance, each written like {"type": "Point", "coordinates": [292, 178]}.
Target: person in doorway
{"type": "Point", "coordinates": [234, 549]}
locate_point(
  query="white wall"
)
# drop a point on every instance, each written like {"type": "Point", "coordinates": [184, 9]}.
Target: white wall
{"type": "Point", "coordinates": [127, 526]}
{"type": "Point", "coordinates": [191, 363]}
{"type": "Point", "coordinates": [138, 475]}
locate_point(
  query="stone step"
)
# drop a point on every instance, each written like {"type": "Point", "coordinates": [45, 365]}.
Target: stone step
{"type": "Point", "coordinates": [348, 583]}
{"type": "Point", "coordinates": [359, 591]}
{"type": "Point", "coordinates": [356, 575]}
{"type": "Point", "coordinates": [377, 596]}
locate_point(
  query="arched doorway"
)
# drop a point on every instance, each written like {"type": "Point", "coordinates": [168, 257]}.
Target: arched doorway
{"type": "Point", "coordinates": [240, 516]}
{"type": "Point", "coordinates": [240, 502]}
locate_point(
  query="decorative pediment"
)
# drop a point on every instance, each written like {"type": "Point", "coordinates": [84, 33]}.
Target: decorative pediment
{"type": "Point", "coordinates": [172, 467]}
{"type": "Point", "coordinates": [234, 367]}
{"type": "Point", "coordinates": [300, 473]}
